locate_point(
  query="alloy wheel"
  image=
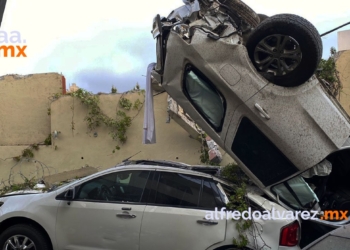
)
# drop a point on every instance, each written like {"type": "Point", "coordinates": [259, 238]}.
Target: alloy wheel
{"type": "Point", "coordinates": [277, 54]}
{"type": "Point", "coordinates": [19, 242]}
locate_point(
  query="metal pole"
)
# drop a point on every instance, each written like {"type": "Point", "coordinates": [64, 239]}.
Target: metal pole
{"type": "Point", "coordinates": [335, 29]}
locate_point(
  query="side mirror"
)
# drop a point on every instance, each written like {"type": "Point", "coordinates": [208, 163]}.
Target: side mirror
{"type": "Point", "coordinates": [69, 195]}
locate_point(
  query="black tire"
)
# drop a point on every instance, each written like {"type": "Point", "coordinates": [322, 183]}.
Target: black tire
{"type": "Point", "coordinates": [262, 17]}
{"type": "Point", "coordinates": [304, 52]}
{"type": "Point", "coordinates": [243, 11]}
{"type": "Point", "coordinates": [36, 236]}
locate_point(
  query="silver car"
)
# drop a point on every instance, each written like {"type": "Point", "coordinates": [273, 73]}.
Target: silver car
{"type": "Point", "coordinates": [248, 81]}
{"type": "Point", "coordinates": [138, 205]}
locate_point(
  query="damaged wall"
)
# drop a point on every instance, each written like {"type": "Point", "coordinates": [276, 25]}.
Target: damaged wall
{"type": "Point", "coordinates": [343, 66]}
{"type": "Point", "coordinates": [24, 103]}
{"type": "Point", "coordinates": [76, 148]}
{"type": "Point", "coordinates": [344, 40]}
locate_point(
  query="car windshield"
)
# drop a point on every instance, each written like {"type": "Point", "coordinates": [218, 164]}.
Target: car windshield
{"type": "Point", "coordinates": [296, 193]}
{"type": "Point", "coordinates": [61, 185]}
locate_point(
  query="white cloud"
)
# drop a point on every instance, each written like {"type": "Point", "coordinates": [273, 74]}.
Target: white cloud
{"type": "Point", "coordinates": [79, 36]}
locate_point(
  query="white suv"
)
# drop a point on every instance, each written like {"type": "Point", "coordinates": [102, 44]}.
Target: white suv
{"type": "Point", "coordinates": [136, 205]}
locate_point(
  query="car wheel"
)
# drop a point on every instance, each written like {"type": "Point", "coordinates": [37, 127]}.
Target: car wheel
{"type": "Point", "coordinates": [23, 237]}
{"type": "Point", "coordinates": [240, 9]}
{"type": "Point", "coordinates": [286, 46]}
{"type": "Point", "coordinates": [262, 17]}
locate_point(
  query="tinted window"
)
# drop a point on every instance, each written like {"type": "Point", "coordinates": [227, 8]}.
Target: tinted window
{"type": "Point", "coordinates": [210, 198]}
{"type": "Point", "coordinates": [260, 155]}
{"type": "Point", "coordinates": [124, 186]}
{"type": "Point", "coordinates": [178, 190]}
{"type": "Point", "coordinates": [204, 97]}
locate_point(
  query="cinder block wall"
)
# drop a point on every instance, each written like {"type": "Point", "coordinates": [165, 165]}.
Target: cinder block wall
{"type": "Point", "coordinates": [76, 148]}
{"type": "Point", "coordinates": [343, 66]}
{"type": "Point", "coordinates": [24, 103]}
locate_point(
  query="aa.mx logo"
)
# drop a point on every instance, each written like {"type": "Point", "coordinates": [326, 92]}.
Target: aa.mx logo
{"type": "Point", "coordinates": [8, 44]}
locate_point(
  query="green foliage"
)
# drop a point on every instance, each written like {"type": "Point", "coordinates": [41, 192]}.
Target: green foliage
{"type": "Point", "coordinates": [27, 184]}
{"type": "Point", "coordinates": [120, 126]}
{"type": "Point", "coordinates": [238, 201]}
{"type": "Point", "coordinates": [48, 111]}
{"type": "Point", "coordinates": [234, 174]}
{"type": "Point", "coordinates": [142, 91]}
{"type": "Point", "coordinates": [27, 153]}
{"type": "Point", "coordinates": [35, 146]}
{"type": "Point", "coordinates": [57, 95]}
{"type": "Point", "coordinates": [114, 90]}
{"type": "Point", "coordinates": [16, 158]}
{"type": "Point", "coordinates": [95, 117]}
{"type": "Point", "coordinates": [125, 103]}
{"type": "Point", "coordinates": [204, 156]}
{"type": "Point", "coordinates": [48, 141]}
{"type": "Point", "coordinates": [328, 72]}
{"type": "Point", "coordinates": [137, 104]}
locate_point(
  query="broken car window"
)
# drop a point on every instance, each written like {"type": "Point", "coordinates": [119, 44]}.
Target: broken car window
{"type": "Point", "coordinates": [296, 193]}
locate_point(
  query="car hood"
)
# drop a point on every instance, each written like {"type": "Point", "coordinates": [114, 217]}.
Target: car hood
{"type": "Point", "coordinates": [21, 192]}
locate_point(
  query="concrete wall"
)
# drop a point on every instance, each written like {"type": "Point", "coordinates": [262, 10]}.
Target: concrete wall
{"type": "Point", "coordinates": [343, 66]}
{"type": "Point", "coordinates": [344, 40]}
{"type": "Point", "coordinates": [24, 103]}
{"type": "Point", "coordinates": [76, 148]}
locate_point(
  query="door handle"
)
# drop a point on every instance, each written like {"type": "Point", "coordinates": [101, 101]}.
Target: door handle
{"type": "Point", "coordinates": [207, 222]}
{"type": "Point", "coordinates": [126, 215]}
{"type": "Point", "coordinates": [126, 208]}
{"type": "Point", "coordinates": [262, 111]}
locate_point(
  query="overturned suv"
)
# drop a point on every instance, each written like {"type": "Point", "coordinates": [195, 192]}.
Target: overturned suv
{"type": "Point", "coordinates": [248, 81]}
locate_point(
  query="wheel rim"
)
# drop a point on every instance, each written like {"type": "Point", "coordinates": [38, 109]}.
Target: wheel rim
{"type": "Point", "coordinates": [19, 242]}
{"type": "Point", "coordinates": [277, 54]}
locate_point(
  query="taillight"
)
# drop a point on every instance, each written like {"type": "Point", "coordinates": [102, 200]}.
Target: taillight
{"type": "Point", "coordinates": [290, 235]}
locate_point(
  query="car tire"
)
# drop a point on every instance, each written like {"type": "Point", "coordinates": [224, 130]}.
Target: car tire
{"type": "Point", "coordinates": [262, 17]}
{"type": "Point", "coordinates": [241, 10]}
{"type": "Point", "coordinates": [292, 63]}
{"type": "Point", "coordinates": [34, 236]}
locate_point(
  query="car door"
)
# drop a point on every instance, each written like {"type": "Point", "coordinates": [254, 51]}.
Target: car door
{"type": "Point", "coordinates": [209, 80]}
{"type": "Point", "coordinates": [174, 217]}
{"type": "Point", "coordinates": [281, 132]}
{"type": "Point", "coordinates": [106, 213]}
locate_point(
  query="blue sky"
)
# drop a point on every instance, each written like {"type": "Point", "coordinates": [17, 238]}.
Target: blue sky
{"type": "Point", "coordinates": [97, 44]}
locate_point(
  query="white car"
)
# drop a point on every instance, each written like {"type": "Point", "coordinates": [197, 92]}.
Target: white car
{"type": "Point", "coordinates": [248, 81]}
{"type": "Point", "coordinates": [136, 206]}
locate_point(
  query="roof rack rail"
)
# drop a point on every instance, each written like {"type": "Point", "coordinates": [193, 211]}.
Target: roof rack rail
{"type": "Point", "coordinates": [212, 170]}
